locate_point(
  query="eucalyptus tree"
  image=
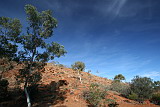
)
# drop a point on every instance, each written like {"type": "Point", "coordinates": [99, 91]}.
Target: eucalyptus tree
{"type": "Point", "coordinates": [34, 49]}
{"type": "Point", "coordinates": [79, 67]}
{"type": "Point", "coordinates": [119, 77]}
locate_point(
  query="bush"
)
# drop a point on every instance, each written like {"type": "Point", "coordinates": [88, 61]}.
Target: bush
{"type": "Point", "coordinates": [143, 87]}
{"type": "Point", "coordinates": [133, 96]}
{"type": "Point", "coordinates": [156, 98]}
{"type": "Point", "coordinates": [119, 87]}
{"type": "Point", "coordinates": [95, 95]}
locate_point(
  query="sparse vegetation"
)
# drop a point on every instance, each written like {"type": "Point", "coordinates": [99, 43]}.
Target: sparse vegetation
{"type": "Point", "coordinates": [95, 96]}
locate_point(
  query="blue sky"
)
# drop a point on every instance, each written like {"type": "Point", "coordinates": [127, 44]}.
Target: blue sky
{"type": "Point", "coordinates": [109, 36]}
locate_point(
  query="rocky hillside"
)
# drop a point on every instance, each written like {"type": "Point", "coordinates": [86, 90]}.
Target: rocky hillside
{"type": "Point", "coordinates": [60, 87]}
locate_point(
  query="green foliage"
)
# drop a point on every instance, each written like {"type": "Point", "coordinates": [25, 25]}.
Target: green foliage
{"type": "Point", "coordinates": [9, 31]}
{"type": "Point", "coordinates": [95, 95]}
{"type": "Point", "coordinates": [133, 96]}
{"type": "Point", "coordinates": [156, 98]}
{"type": "Point", "coordinates": [143, 87]}
{"type": "Point", "coordinates": [119, 87]}
{"type": "Point", "coordinates": [119, 77]}
{"type": "Point", "coordinates": [41, 25]}
{"type": "Point", "coordinates": [80, 66]}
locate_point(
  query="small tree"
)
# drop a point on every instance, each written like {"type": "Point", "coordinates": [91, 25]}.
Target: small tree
{"type": "Point", "coordinates": [79, 67]}
{"type": "Point", "coordinates": [142, 86]}
{"type": "Point", "coordinates": [119, 77]}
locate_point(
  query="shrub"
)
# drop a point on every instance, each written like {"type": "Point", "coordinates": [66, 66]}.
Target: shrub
{"type": "Point", "coordinates": [133, 96]}
{"type": "Point", "coordinates": [143, 87]}
{"type": "Point", "coordinates": [95, 95]}
{"type": "Point", "coordinates": [156, 98]}
{"type": "Point", "coordinates": [119, 87]}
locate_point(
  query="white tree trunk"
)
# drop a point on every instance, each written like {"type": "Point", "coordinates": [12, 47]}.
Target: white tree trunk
{"type": "Point", "coordinates": [80, 78]}
{"type": "Point", "coordinates": [28, 98]}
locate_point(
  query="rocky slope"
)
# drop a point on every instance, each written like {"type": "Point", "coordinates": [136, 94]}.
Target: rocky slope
{"type": "Point", "coordinates": [60, 87]}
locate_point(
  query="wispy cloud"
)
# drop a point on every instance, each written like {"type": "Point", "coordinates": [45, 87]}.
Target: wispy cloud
{"type": "Point", "coordinates": [126, 8]}
{"type": "Point", "coordinates": [116, 6]}
{"type": "Point", "coordinates": [151, 74]}
{"type": "Point", "coordinates": [111, 9]}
